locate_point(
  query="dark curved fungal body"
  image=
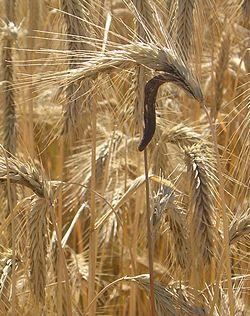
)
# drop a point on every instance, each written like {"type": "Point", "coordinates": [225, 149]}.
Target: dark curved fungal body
{"type": "Point", "coordinates": [151, 89]}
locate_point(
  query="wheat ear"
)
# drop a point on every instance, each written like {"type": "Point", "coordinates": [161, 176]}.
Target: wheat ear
{"type": "Point", "coordinates": [74, 17]}
{"type": "Point", "coordinates": [5, 280]}
{"type": "Point", "coordinates": [24, 174]}
{"type": "Point", "coordinates": [200, 173]}
{"type": "Point", "coordinates": [139, 75]}
{"type": "Point", "coordinates": [240, 226]}
{"type": "Point", "coordinates": [185, 25]}
{"type": "Point", "coordinates": [170, 301]}
{"type": "Point", "coordinates": [38, 247]}
{"type": "Point", "coordinates": [176, 217]}
{"type": "Point", "coordinates": [10, 33]}
{"type": "Point", "coordinates": [181, 135]}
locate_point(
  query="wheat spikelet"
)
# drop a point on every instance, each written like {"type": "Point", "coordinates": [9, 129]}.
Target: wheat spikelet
{"type": "Point", "coordinates": [200, 173]}
{"type": "Point", "coordinates": [79, 272]}
{"type": "Point", "coordinates": [185, 21]}
{"type": "Point", "coordinates": [110, 229]}
{"type": "Point", "coordinates": [38, 247]}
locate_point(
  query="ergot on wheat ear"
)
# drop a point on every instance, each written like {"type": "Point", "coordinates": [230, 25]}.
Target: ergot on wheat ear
{"type": "Point", "coordinates": [179, 76]}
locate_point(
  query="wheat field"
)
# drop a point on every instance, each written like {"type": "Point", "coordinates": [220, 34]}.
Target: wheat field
{"type": "Point", "coordinates": [124, 157]}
